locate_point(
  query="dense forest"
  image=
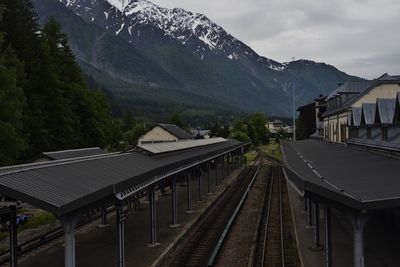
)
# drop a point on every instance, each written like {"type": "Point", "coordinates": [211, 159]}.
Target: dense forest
{"type": "Point", "coordinates": [45, 102]}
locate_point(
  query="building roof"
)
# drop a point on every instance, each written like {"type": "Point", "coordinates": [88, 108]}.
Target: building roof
{"type": "Point", "coordinates": [352, 177]}
{"type": "Point", "coordinates": [68, 186]}
{"type": "Point", "coordinates": [383, 79]}
{"type": "Point", "coordinates": [74, 153]}
{"type": "Point", "coordinates": [158, 148]}
{"type": "Point", "coordinates": [350, 87]}
{"type": "Point", "coordinates": [356, 116]}
{"type": "Point", "coordinates": [369, 112]}
{"type": "Point", "coordinates": [386, 108]}
{"type": "Point", "coordinates": [175, 130]}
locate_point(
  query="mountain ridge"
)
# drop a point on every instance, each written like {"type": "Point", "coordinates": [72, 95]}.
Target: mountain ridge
{"type": "Point", "coordinates": [187, 52]}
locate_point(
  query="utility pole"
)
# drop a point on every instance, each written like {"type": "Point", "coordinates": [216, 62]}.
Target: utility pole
{"type": "Point", "coordinates": [294, 107]}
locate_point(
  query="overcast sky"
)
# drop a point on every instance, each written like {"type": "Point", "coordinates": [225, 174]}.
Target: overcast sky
{"type": "Point", "coordinates": [360, 37]}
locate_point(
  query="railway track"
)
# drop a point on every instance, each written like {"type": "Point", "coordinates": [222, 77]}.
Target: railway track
{"type": "Point", "coordinates": [203, 242]}
{"type": "Point", "coordinates": [275, 243]}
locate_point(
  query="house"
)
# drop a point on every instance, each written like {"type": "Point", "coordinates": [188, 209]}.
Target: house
{"type": "Point", "coordinates": [201, 134]}
{"type": "Point", "coordinates": [163, 132]}
{"type": "Point", "coordinates": [274, 126]}
{"type": "Point", "coordinates": [364, 112]}
{"type": "Point", "coordinates": [311, 116]}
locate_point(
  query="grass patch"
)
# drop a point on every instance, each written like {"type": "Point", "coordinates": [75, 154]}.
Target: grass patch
{"type": "Point", "coordinates": [250, 156]}
{"type": "Point", "coordinates": [273, 150]}
{"type": "Point", "coordinates": [38, 220]}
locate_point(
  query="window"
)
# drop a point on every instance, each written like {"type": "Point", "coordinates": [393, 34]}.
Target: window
{"type": "Point", "coordinates": [369, 135]}
{"type": "Point", "coordinates": [384, 133]}
{"type": "Point", "coordinates": [356, 132]}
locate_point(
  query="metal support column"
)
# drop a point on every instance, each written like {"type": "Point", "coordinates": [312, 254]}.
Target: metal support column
{"type": "Point", "coordinates": [359, 220]}
{"type": "Point", "coordinates": [13, 237]}
{"type": "Point", "coordinates": [200, 199]}
{"type": "Point", "coordinates": [174, 204]}
{"type": "Point", "coordinates": [228, 164]}
{"type": "Point", "coordinates": [305, 203]}
{"type": "Point", "coordinates": [104, 216]}
{"type": "Point", "coordinates": [209, 190]}
{"type": "Point", "coordinates": [69, 247]}
{"type": "Point", "coordinates": [328, 241]}
{"type": "Point", "coordinates": [153, 217]}
{"type": "Point", "coordinates": [120, 227]}
{"type": "Point", "coordinates": [189, 192]}
{"type": "Point", "coordinates": [222, 167]}
{"type": "Point", "coordinates": [316, 220]}
{"type": "Point", "coordinates": [310, 212]}
{"type": "Point", "coordinates": [216, 172]}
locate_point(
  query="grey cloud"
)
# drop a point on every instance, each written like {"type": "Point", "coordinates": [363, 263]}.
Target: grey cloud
{"type": "Point", "coordinates": [357, 36]}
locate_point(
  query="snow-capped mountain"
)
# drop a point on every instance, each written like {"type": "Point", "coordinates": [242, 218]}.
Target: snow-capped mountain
{"type": "Point", "coordinates": [195, 31]}
{"type": "Point", "coordinates": [141, 50]}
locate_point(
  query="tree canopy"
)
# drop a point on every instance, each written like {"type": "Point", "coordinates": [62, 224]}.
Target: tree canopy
{"type": "Point", "coordinates": [45, 103]}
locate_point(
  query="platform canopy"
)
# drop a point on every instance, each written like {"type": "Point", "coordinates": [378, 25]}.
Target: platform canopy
{"type": "Point", "coordinates": [356, 178]}
{"type": "Point", "coordinates": [73, 185]}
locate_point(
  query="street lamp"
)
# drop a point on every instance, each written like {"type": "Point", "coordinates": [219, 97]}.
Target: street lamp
{"type": "Point", "coordinates": [294, 107]}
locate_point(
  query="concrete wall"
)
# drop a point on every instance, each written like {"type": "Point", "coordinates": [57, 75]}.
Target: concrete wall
{"type": "Point", "coordinates": [381, 91]}
{"type": "Point", "coordinates": [336, 125]}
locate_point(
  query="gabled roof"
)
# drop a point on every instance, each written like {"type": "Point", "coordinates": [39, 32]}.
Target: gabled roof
{"type": "Point", "coordinates": [175, 130]}
{"type": "Point", "coordinates": [356, 116]}
{"type": "Point", "coordinates": [369, 111]}
{"type": "Point", "coordinates": [74, 153]}
{"type": "Point", "coordinates": [349, 118]}
{"type": "Point", "coordinates": [386, 109]}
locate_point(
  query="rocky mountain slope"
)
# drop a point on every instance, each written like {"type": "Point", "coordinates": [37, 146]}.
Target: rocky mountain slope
{"type": "Point", "coordinates": [143, 51]}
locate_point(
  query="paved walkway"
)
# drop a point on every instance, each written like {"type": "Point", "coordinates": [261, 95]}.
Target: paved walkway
{"type": "Point", "coordinates": [97, 247]}
{"type": "Point", "coordinates": [382, 245]}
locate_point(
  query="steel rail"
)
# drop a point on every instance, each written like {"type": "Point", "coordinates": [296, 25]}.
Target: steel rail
{"type": "Point", "coordinates": [228, 226]}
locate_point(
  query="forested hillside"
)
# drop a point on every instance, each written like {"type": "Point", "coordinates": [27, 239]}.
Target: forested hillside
{"type": "Point", "coordinates": [45, 103]}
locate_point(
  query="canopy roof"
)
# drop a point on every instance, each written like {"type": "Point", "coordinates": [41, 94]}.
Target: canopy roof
{"type": "Point", "coordinates": [352, 177]}
{"type": "Point", "coordinates": [65, 186]}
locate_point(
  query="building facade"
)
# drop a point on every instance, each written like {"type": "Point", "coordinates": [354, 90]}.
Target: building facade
{"type": "Point", "coordinates": [163, 132]}
{"type": "Point", "coordinates": [364, 112]}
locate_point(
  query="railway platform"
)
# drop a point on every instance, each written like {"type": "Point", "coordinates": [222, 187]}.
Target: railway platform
{"type": "Point", "coordinates": [96, 246]}
{"type": "Point", "coordinates": [357, 190]}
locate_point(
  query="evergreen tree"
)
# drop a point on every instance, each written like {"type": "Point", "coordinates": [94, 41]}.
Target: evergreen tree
{"type": "Point", "coordinates": [45, 102]}
{"type": "Point", "coordinates": [12, 101]}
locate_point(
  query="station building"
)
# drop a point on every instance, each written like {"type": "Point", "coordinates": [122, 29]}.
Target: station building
{"type": "Point", "coordinates": [164, 132]}
{"type": "Point", "coordinates": [359, 112]}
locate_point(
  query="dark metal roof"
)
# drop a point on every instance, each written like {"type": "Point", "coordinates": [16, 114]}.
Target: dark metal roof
{"type": "Point", "coordinates": [369, 111]}
{"type": "Point", "coordinates": [349, 176]}
{"type": "Point", "coordinates": [74, 153]}
{"type": "Point", "coordinates": [62, 187]}
{"type": "Point", "coordinates": [386, 108]}
{"type": "Point", "coordinates": [175, 130]}
{"type": "Point", "coordinates": [349, 118]}
{"type": "Point", "coordinates": [383, 79]}
{"type": "Point", "coordinates": [356, 116]}
{"type": "Point", "coordinates": [350, 87]}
